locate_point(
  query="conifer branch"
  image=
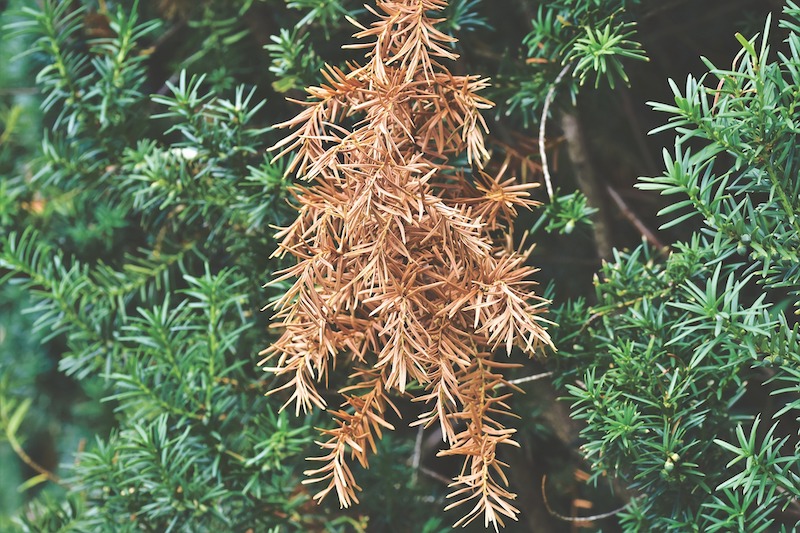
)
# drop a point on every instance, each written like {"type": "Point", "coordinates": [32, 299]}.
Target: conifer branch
{"type": "Point", "coordinates": [397, 270]}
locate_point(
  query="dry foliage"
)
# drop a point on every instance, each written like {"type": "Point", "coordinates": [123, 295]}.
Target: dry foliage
{"type": "Point", "coordinates": [398, 275]}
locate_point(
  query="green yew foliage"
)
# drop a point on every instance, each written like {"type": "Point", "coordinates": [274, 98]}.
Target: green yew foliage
{"type": "Point", "coordinates": [156, 195]}
{"type": "Point", "coordinates": [676, 343]}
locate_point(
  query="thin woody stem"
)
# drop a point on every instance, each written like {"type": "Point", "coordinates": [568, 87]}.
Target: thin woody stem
{"type": "Point", "coordinates": [631, 216]}
{"type": "Point", "coordinates": [527, 379]}
{"type": "Point", "coordinates": [415, 460]}
{"type": "Point", "coordinates": [543, 126]}
{"type": "Point", "coordinates": [592, 518]}
{"type": "Point", "coordinates": [25, 458]}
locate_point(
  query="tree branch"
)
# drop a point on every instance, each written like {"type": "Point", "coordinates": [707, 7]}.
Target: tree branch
{"type": "Point", "coordinates": [588, 182]}
{"type": "Point", "coordinates": [542, 129]}
{"type": "Point", "coordinates": [628, 213]}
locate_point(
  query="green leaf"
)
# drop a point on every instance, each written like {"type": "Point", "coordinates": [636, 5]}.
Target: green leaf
{"type": "Point", "coordinates": [747, 45]}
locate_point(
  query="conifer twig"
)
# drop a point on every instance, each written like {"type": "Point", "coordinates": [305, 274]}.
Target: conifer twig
{"type": "Point", "coordinates": [542, 129]}
{"type": "Point", "coordinates": [18, 90]}
{"type": "Point", "coordinates": [527, 379]}
{"type": "Point", "coordinates": [415, 459]}
{"type": "Point", "coordinates": [28, 460]}
{"type": "Point", "coordinates": [592, 518]}
{"type": "Point", "coordinates": [631, 216]}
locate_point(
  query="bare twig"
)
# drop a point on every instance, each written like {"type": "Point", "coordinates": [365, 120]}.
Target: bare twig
{"type": "Point", "coordinates": [25, 458]}
{"type": "Point", "coordinates": [18, 90]}
{"type": "Point", "coordinates": [592, 518]}
{"type": "Point", "coordinates": [628, 213]}
{"type": "Point", "coordinates": [167, 35]}
{"type": "Point", "coordinates": [435, 475]}
{"type": "Point", "coordinates": [543, 126]}
{"type": "Point", "coordinates": [173, 79]}
{"type": "Point", "coordinates": [526, 379]}
{"type": "Point", "coordinates": [415, 459]}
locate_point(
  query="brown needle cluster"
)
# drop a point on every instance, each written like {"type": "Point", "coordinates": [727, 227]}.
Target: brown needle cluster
{"type": "Point", "coordinates": [398, 275]}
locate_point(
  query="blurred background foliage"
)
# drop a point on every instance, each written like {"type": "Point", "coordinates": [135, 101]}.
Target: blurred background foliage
{"type": "Point", "coordinates": [138, 203]}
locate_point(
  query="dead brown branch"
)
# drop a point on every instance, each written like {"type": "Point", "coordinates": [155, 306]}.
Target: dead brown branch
{"type": "Point", "coordinates": [398, 275]}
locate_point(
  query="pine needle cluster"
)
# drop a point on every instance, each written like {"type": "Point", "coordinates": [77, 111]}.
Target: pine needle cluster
{"type": "Point", "coordinates": [402, 269]}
